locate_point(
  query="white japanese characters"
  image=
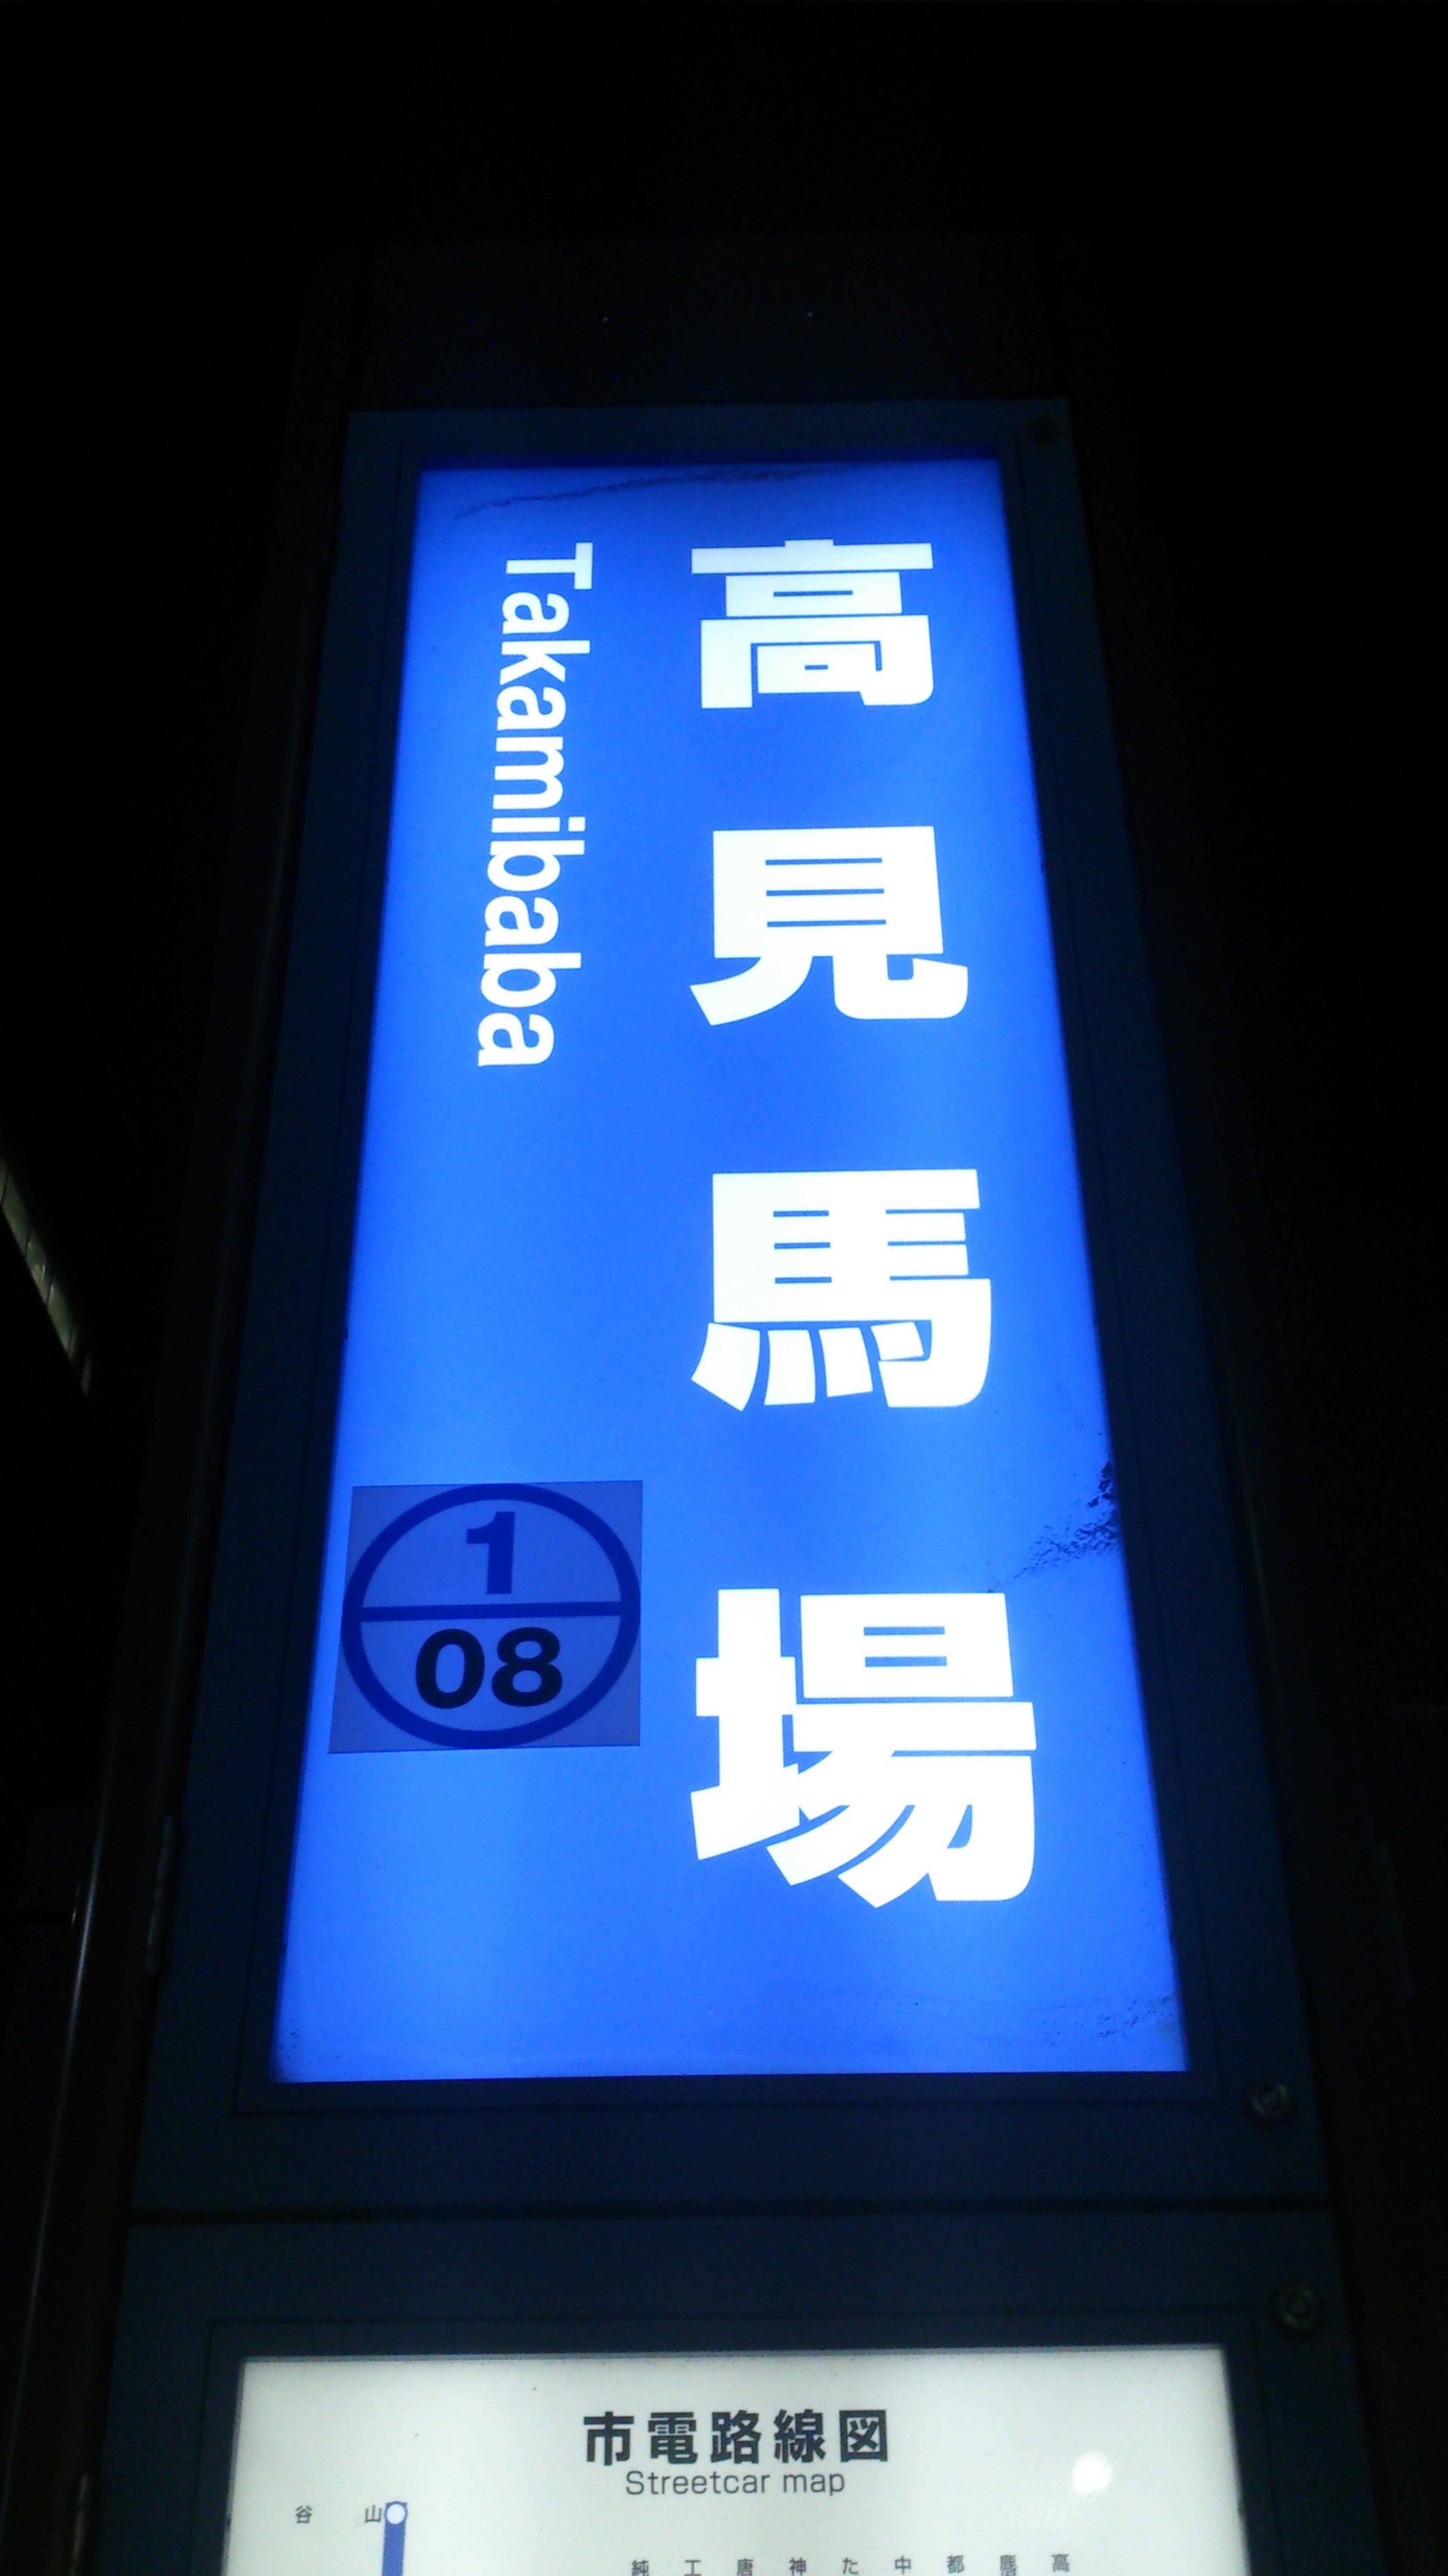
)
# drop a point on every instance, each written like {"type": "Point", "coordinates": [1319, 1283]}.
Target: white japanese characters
{"type": "Point", "coordinates": [856, 897]}
{"type": "Point", "coordinates": [904, 1757]}
{"type": "Point", "coordinates": [521, 965]}
{"type": "Point", "coordinates": [907, 1696]}
{"type": "Point", "coordinates": [832, 1254]}
{"type": "Point", "coordinates": [811, 616]}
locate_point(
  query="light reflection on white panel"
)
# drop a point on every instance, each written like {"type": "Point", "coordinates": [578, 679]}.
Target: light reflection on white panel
{"type": "Point", "coordinates": [1030, 2463]}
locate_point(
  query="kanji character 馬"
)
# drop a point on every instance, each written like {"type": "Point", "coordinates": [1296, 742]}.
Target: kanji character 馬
{"type": "Point", "coordinates": [837, 1253]}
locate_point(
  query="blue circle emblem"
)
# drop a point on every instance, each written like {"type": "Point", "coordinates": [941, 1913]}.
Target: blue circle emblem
{"type": "Point", "coordinates": [358, 1612]}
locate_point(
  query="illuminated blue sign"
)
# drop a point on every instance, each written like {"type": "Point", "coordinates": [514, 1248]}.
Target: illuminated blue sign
{"type": "Point", "coordinates": [722, 1482]}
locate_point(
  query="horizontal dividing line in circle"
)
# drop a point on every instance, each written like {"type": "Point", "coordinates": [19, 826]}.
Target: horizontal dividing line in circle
{"type": "Point", "coordinates": [497, 1610]}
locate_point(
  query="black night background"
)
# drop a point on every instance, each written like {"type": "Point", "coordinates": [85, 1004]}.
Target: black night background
{"type": "Point", "coordinates": [1231, 209]}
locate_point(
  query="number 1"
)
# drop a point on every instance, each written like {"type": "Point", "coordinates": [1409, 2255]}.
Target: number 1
{"type": "Point", "coordinates": [497, 1536]}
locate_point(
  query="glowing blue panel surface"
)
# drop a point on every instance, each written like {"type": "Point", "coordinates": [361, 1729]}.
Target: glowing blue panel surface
{"type": "Point", "coordinates": [719, 1226]}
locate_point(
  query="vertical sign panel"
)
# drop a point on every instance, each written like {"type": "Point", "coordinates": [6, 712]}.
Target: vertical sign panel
{"type": "Point", "coordinates": [724, 1662]}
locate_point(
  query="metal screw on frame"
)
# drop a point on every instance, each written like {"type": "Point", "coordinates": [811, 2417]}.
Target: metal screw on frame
{"type": "Point", "coordinates": [1270, 2101]}
{"type": "Point", "coordinates": [1297, 2308]}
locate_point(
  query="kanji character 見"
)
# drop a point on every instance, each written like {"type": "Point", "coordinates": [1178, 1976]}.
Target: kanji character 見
{"type": "Point", "coordinates": [856, 897]}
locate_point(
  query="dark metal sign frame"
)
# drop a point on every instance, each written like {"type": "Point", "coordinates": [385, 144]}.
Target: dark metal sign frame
{"type": "Point", "coordinates": [218, 2133]}
{"type": "Point", "coordinates": [200, 2301]}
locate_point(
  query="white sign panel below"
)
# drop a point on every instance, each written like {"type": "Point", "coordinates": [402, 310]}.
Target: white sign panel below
{"type": "Point", "coordinates": [1027, 2463]}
